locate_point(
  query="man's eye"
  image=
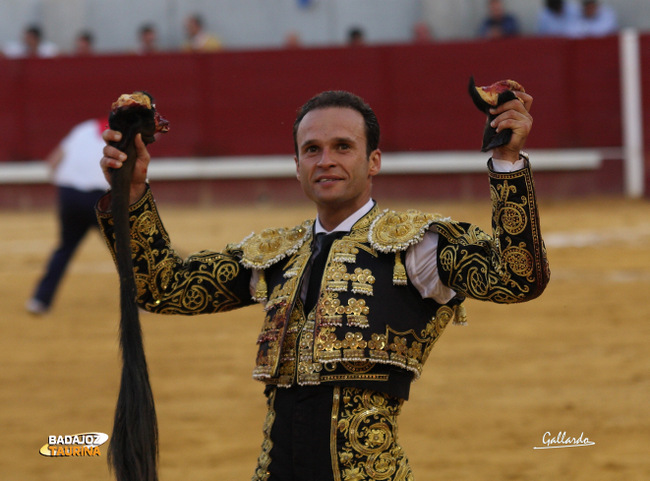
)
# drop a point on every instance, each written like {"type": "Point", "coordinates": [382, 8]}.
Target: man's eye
{"type": "Point", "coordinates": [311, 149]}
{"type": "Point", "coordinates": [344, 146]}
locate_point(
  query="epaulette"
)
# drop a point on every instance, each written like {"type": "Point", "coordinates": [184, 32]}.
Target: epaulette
{"type": "Point", "coordinates": [396, 231]}
{"type": "Point", "coordinates": [260, 251]}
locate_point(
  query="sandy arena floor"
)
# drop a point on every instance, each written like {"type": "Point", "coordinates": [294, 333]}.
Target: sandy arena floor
{"type": "Point", "coordinates": [573, 361]}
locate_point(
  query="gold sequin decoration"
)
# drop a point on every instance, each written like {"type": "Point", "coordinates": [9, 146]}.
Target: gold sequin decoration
{"type": "Point", "coordinates": [362, 281]}
{"type": "Point", "coordinates": [345, 251]}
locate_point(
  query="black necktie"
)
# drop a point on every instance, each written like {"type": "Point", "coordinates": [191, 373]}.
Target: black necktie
{"type": "Point", "coordinates": [321, 249]}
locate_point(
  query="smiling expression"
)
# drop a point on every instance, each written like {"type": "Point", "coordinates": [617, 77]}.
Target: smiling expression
{"type": "Point", "coordinates": [332, 166]}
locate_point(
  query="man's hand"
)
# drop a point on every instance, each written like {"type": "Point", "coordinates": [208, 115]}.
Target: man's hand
{"type": "Point", "coordinates": [513, 115]}
{"type": "Point", "coordinates": [114, 158]}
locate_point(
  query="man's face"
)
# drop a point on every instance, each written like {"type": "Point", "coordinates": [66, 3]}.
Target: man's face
{"type": "Point", "coordinates": [332, 165]}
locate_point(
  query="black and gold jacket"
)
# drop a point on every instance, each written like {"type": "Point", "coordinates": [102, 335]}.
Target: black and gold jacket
{"type": "Point", "coordinates": [370, 326]}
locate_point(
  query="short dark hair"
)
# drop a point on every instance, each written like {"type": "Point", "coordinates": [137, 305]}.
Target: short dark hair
{"type": "Point", "coordinates": [343, 99]}
{"type": "Point", "coordinates": [555, 5]}
{"type": "Point", "coordinates": [146, 28]}
{"type": "Point", "coordinates": [87, 36]}
{"type": "Point", "coordinates": [198, 19]}
{"type": "Point", "coordinates": [34, 30]}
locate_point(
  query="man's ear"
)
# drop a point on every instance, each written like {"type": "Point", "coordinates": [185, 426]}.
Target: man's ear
{"type": "Point", "coordinates": [374, 161]}
{"type": "Point", "coordinates": [295, 159]}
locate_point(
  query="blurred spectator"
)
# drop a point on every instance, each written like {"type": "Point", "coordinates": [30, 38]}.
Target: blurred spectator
{"type": "Point", "coordinates": [422, 33]}
{"type": "Point", "coordinates": [147, 39]}
{"type": "Point", "coordinates": [596, 20]}
{"type": "Point", "coordinates": [498, 23]}
{"type": "Point", "coordinates": [80, 183]}
{"type": "Point", "coordinates": [558, 18]}
{"type": "Point", "coordinates": [84, 44]}
{"type": "Point", "coordinates": [198, 39]}
{"type": "Point", "coordinates": [292, 40]}
{"type": "Point", "coordinates": [32, 45]}
{"type": "Point", "coordinates": [356, 37]}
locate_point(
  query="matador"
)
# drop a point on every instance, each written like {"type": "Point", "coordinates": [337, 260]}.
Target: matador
{"type": "Point", "coordinates": [354, 300]}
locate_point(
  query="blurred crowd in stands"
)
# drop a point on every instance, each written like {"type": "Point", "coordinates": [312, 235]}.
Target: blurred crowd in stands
{"type": "Point", "coordinates": [560, 18]}
{"type": "Point", "coordinates": [572, 19]}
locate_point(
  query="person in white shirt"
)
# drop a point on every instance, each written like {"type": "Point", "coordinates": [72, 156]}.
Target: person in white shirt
{"type": "Point", "coordinates": [596, 20]}
{"type": "Point", "coordinates": [32, 45]}
{"type": "Point", "coordinates": [557, 17]}
{"type": "Point", "coordinates": [569, 19]}
{"type": "Point", "coordinates": [355, 299]}
{"type": "Point", "coordinates": [80, 183]}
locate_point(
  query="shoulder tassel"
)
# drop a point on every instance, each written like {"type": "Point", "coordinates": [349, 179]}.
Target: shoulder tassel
{"type": "Point", "coordinates": [399, 271]}
{"type": "Point", "coordinates": [261, 290]}
{"type": "Point", "coordinates": [460, 316]}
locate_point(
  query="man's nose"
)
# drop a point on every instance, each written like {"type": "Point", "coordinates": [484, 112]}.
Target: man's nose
{"type": "Point", "coordinates": [327, 158]}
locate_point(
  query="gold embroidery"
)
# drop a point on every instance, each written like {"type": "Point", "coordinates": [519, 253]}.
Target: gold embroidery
{"type": "Point", "coordinates": [336, 402]}
{"type": "Point", "coordinates": [262, 250]}
{"type": "Point", "coordinates": [362, 281]}
{"type": "Point", "coordinates": [357, 313]}
{"type": "Point", "coordinates": [368, 449]}
{"type": "Point", "coordinates": [337, 279]}
{"type": "Point", "coordinates": [408, 350]}
{"type": "Point", "coordinates": [513, 218]}
{"type": "Point", "coordinates": [264, 460]}
{"type": "Point", "coordinates": [460, 317]}
{"type": "Point", "coordinates": [399, 271]}
{"type": "Point", "coordinates": [508, 267]}
{"type": "Point", "coordinates": [261, 292]}
{"type": "Point", "coordinates": [520, 261]}
{"type": "Point", "coordinates": [330, 312]}
{"type": "Point", "coordinates": [308, 370]}
{"type": "Point", "coordinates": [345, 251]}
{"type": "Point", "coordinates": [359, 367]}
{"type": "Point", "coordinates": [395, 231]}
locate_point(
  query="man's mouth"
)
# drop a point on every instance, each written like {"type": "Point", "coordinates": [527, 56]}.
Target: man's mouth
{"type": "Point", "coordinates": [325, 180]}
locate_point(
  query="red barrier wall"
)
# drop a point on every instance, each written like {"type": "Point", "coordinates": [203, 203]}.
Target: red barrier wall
{"type": "Point", "coordinates": [243, 102]}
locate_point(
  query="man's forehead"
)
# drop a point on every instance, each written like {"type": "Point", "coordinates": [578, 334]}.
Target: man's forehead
{"type": "Point", "coordinates": [334, 121]}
